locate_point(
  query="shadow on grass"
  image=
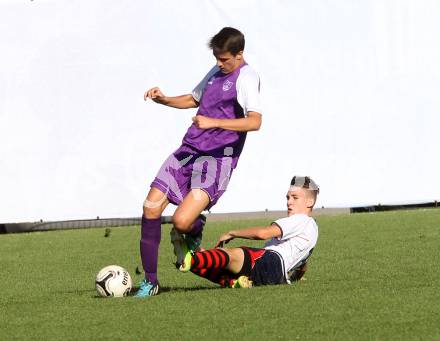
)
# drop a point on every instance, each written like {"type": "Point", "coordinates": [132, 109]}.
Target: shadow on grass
{"type": "Point", "coordinates": [185, 289]}
{"type": "Point", "coordinates": [76, 291]}
{"type": "Point", "coordinates": [163, 290]}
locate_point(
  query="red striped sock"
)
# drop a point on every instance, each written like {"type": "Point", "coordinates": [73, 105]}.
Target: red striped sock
{"type": "Point", "coordinates": [210, 259]}
{"type": "Point", "coordinates": [222, 277]}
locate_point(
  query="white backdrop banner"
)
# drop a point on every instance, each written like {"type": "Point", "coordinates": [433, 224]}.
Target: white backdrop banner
{"type": "Point", "coordinates": [350, 92]}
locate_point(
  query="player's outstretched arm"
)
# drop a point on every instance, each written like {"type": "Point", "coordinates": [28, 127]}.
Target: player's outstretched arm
{"type": "Point", "coordinates": [250, 123]}
{"type": "Point", "coordinates": [179, 102]}
{"type": "Point", "coordinates": [255, 233]}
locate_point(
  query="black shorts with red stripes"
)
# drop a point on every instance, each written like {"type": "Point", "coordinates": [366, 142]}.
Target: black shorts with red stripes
{"type": "Point", "coordinates": [263, 267]}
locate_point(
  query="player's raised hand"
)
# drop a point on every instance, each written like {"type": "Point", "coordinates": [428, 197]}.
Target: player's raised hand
{"type": "Point", "coordinates": [224, 239]}
{"type": "Point", "coordinates": [204, 122]}
{"type": "Point", "coordinates": [154, 94]}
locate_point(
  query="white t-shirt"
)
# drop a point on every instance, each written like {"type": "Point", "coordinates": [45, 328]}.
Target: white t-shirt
{"type": "Point", "coordinates": [299, 236]}
{"type": "Point", "coordinates": [247, 87]}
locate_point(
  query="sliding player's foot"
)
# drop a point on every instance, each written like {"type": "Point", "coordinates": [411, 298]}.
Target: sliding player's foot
{"type": "Point", "coordinates": [242, 282]}
{"type": "Point", "coordinates": [179, 246]}
{"type": "Point", "coordinates": [186, 264]}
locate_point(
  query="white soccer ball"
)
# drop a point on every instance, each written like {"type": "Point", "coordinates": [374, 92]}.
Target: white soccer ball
{"type": "Point", "coordinates": [113, 281]}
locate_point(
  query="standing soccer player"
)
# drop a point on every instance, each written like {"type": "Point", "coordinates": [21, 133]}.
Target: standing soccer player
{"type": "Point", "coordinates": [197, 173]}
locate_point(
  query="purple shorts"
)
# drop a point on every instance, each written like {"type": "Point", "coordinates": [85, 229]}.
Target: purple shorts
{"type": "Point", "coordinates": [187, 169]}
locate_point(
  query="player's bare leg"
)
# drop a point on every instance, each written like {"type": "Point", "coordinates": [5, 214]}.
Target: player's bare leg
{"type": "Point", "coordinates": [235, 265]}
{"type": "Point", "coordinates": [218, 265]}
{"type": "Point", "coordinates": [236, 259]}
{"type": "Point", "coordinates": [187, 219]}
{"type": "Point", "coordinates": [189, 210]}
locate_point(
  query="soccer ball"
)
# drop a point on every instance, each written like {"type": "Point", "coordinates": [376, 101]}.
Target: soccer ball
{"type": "Point", "coordinates": [113, 281]}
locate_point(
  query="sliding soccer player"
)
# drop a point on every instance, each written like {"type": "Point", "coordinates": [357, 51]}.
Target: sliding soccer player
{"type": "Point", "coordinates": [283, 259]}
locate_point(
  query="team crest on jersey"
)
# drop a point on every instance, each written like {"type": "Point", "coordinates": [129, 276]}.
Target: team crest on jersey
{"type": "Point", "coordinates": [227, 85]}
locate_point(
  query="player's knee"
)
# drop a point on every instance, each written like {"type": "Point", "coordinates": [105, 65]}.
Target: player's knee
{"type": "Point", "coordinates": [152, 212]}
{"type": "Point", "coordinates": [181, 223]}
{"type": "Point", "coordinates": [154, 204]}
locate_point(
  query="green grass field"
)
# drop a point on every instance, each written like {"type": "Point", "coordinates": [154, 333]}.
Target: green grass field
{"type": "Point", "coordinates": [372, 277]}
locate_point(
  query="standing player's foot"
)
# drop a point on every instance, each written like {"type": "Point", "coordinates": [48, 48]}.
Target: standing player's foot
{"type": "Point", "coordinates": [242, 282]}
{"type": "Point", "coordinates": [179, 246]}
{"type": "Point", "coordinates": [147, 289]}
{"type": "Point", "coordinates": [186, 264]}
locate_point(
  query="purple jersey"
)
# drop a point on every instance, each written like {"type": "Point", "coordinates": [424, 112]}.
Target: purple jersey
{"type": "Point", "coordinates": [207, 156]}
{"type": "Point", "coordinates": [224, 96]}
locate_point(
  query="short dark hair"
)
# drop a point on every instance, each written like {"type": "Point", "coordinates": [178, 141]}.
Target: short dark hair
{"type": "Point", "coordinates": [307, 183]}
{"type": "Point", "coordinates": [229, 39]}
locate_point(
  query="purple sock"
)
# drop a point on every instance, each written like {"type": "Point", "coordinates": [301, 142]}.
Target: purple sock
{"type": "Point", "coordinates": [197, 226]}
{"type": "Point", "coordinates": [149, 245]}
